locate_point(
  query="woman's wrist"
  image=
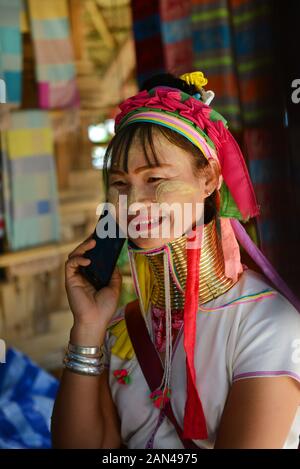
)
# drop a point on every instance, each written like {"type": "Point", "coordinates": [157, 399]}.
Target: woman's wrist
{"type": "Point", "coordinates": [87, 335]}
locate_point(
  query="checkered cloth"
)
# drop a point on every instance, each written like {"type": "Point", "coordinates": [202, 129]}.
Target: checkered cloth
{"type": "Point", "coordinates": [27, 396]}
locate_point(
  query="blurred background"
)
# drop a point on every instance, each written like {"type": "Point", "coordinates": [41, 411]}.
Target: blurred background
{"type": "Point", "coordinates": [65, 65]}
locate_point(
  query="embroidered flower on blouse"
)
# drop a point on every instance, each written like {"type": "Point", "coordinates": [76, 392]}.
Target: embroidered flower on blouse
{"type": "Point", "coordinates": [160, 398]}
{"type": "Point", "coordinates": [122, 376]}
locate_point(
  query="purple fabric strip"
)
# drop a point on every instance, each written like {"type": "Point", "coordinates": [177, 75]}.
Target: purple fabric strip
{"type": "Point", "coordinates": [150, 442]}
{"type": "Point", "coordinates": [265, 265]}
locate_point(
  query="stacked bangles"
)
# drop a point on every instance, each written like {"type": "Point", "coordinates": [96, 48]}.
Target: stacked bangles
{"type": "Point", "coordinates": [84, 360]}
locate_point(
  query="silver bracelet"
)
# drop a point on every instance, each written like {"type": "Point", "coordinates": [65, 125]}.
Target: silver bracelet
{"type": "Point", "coordinates": [82, 369]}
{"type": "Point", "coordinates": [82, 359]}
{"type": "Point", "coordinates": [84, 350]}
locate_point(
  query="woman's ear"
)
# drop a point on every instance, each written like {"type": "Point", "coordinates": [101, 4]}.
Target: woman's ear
{"type": "Point", "coordinates": [211, 175]}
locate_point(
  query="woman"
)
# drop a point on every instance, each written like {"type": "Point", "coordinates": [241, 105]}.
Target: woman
{"type": "Point", "coordinates": [229, 340]}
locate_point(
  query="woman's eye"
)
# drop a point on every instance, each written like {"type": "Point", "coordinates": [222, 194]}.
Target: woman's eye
{"type": "Point", "coordinates": [118, 183]}
{"type": "Point", "coordinates": [153, 179]}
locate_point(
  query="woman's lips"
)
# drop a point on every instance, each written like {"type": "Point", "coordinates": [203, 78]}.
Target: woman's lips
{"type": "Point", "coordinates": [143, 224]}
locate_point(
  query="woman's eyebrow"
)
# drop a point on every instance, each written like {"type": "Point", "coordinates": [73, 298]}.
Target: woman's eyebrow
{"type": "Point", "coordinates": [142, 168]}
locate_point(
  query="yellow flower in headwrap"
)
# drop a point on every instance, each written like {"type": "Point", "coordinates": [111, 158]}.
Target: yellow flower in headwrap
{"type": "Point", "coordinates": [195, 78]}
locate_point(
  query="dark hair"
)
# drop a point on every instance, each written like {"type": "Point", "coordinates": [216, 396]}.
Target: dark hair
{"type": "Point", "coordinates": [120, 143]}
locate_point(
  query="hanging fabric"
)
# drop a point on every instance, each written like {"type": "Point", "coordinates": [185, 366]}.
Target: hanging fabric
{"type": "Point", "coordinates": [54, 57]}
{"type": "Point", "coordinates": [11, 57]}
{"type": "Point", "coordinates": [30, 185]}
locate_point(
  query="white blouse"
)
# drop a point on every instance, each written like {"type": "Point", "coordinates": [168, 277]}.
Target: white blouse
{"type": "Point", "coordinates": [257, 338]}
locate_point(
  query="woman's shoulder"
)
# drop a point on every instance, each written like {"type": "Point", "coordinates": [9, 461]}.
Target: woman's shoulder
{"type": "Point", "coordinates": [254, 307]}
{"type": "Point", "coordinates": [248, 294]}
{"type": "Point", "coordinates": [269, 327]}
{"type": "Point", "coordinates": [264, 300]}
{"type": "Point", "coordinates": [266, 341]}
{"type": "Point", "coordinates": [250, 282]}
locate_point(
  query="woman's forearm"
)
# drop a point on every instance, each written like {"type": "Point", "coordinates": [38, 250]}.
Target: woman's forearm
{"type": "Point", "coordinates": [77, 419]}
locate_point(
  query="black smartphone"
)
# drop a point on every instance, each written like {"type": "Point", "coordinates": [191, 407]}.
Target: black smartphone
{"type": "Point", "coordinates": [105, 254]}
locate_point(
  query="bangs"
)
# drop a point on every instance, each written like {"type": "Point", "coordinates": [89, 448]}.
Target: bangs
{"type": "Point", "coordinates": [118, 148]}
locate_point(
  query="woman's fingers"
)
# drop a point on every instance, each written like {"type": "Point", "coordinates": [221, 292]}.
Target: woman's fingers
{"type": "Point", "coordinates": [83, 247]}
{"type": "Point", "coordinates": [116, 279]}
{"type": "Point", "coordinates": [74, 262]}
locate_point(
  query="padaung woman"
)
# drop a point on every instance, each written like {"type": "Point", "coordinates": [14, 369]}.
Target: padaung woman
{"type": "Point", "coordinates": [208, 356]}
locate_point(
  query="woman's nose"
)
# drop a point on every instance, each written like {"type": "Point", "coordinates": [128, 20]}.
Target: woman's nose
{"type": "Point", "coordinates": [141, 194]}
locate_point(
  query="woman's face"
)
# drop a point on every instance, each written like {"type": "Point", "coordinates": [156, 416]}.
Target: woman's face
{"type": "Point", "coordinates": [166, 199]}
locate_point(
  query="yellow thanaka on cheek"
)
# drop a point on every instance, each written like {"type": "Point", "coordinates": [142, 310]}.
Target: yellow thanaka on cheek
{"type": "Point", "coordinates": [181, 188]}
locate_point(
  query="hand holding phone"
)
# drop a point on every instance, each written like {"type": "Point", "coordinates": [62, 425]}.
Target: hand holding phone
{"type": "Point", "coordinates": [105, 254]}
{"type": "Point", "coordinates": [93, 285]}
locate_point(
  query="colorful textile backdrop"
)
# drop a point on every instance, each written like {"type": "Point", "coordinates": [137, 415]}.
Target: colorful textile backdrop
{"type": "Point", "coordinates": [233, 44]}
{"type": "Point", "coordinates": [54, 59]}
{"type": "Point", "coordinates": [230, 40]}
{"type": "Point", "coordinates": [269, 173]}
{"type": "Point", "coordinates": [11, 49]}
{"type": "Point", "coordinates": [288, 39]}
{"type": "Point", "coordinates": [163, 39]}
{"type": "Point", "coordinates": [29, 180]}
{"type": "Point", "coordinates": [213, 51]}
